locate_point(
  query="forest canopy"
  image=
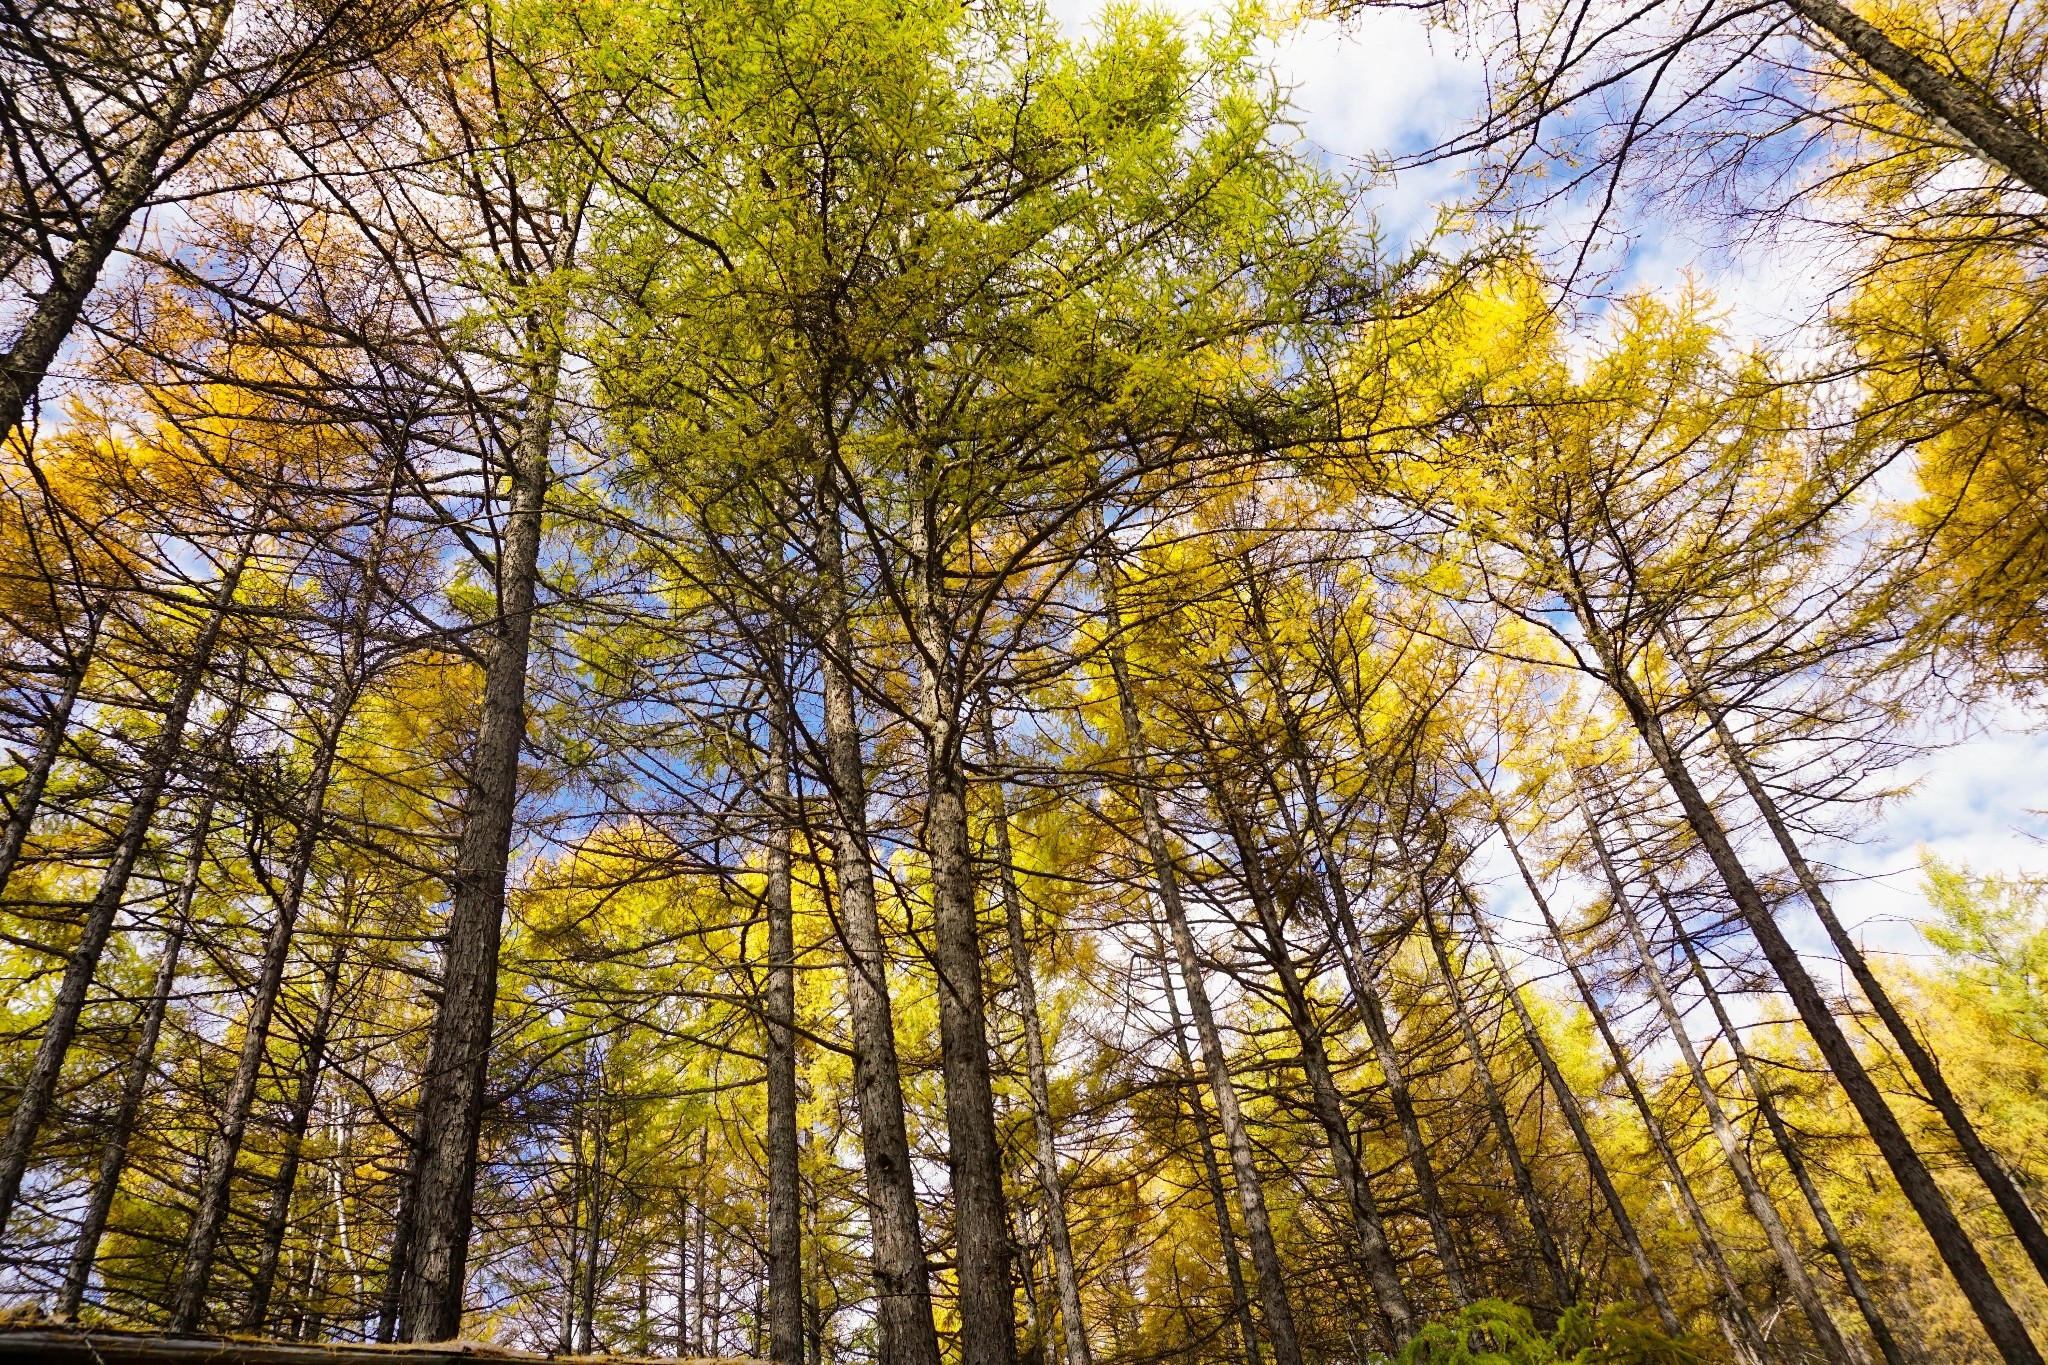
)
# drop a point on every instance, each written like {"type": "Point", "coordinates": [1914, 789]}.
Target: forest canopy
{"type": "Point", "coordinates": [836, 682]}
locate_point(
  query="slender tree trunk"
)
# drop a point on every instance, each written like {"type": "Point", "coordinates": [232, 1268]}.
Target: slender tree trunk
{"type": "Point", "coordinates": [451, 1104]}
{"type": "Point", "coordinates": [1375, 1253]}
{"type": "Point", "coordinates": [1677, 1182]}
{"type": "Point", "coordinates": [902, 1278]}
{"type": "Point", "coordinates": [1334, 900]}
{"type": "Point", "coordinates": [224, 1149]}
{"type": "Point", "coordinates": [1074, 1333]}
{"type": "Point", "coordinates": [277, 1220]}
{"type": "Point", "coordinates": [2005, 1191]}
{"type": "Point", "coordinates": [1852, 1278]}
{"type": "Point", "coordinates": [1496, 1105]}
{"type": "Point", "coordinates": [141, 1069]}
{"type": "Point", "coordinates": [593, 1233]}
{"type": "Point", "coordinates": [1801, 1284]}
{"type": "Point", "coordinates": [974, 1154]}
{"type": "Point", "coordinates": [1568, 1101]}
{"type": "Point", "coordinates": [785, 1212]}
{"type": "Point", "coordinates": [1258, 1230]}
{"type": "Point", "coordinates": [2007, 1333]}
{"type": "Point", "coordinates": [133, 178]}
{"type": "Point", "coordinates": [1226, 1231]}
{"type": "Point", "coordinates": [39, 1087]}
{"type": "Point", "coordinates": [2000, 138]}
{"type": "Point", "coordinates": [28, 798]}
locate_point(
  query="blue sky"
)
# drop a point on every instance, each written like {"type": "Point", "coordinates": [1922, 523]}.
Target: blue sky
{"type": "Point", "coordinates": [1388, 83]}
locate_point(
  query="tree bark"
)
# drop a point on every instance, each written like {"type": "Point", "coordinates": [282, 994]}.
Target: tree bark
{"type": "Point", "coordinates": [224, 1149]}
{"type": "Point", "coordinates": [27, 363]}
{"type": "Point", "coordinates": [28, 798]}
{"type": "Point", "coordinates": [1333, 898]}
{"type": "Point", "coordinates": [785, 1195]}
{"type": "Point", "coordinates": [141, 1069]}
{"type": "Point", "coordinates": [974, 1155]}
{"type": "Point", "coordinates": [451, 1104]}
{"type": "Point", "coordinates": [1258, 1230]}
{"type": "Point", "coordinates": [2005, 1191]}
{"type": "Point", "coordinates": [1788, 1148]}
{"type": "Point", "coordinates": [1496, 1106]}
{"type": "Point", "coordinates": [1749, 1337]}
{"type": "Point", "coordinates": [2001, 1324]}
{"type": "Point", "coordinates": [277, 1220]}
{"type": "Point", "coordinates": [40, 1085]}
{"type": "Point", "coordinates": [1073, 1328]}
{"type": "Point", "coordinates": [1761, 1209]}
{"type": "Point", "coordinates": [902, 1277]}
{"type": "Point", "coordinates": [1568, 1101]}
{"type": "Point", "coordinates": [1375, 1253]}
{"type": "Point", "coordinates": [1996, 135]}
{"type": "Point", "coordinates": [1226, 1230]}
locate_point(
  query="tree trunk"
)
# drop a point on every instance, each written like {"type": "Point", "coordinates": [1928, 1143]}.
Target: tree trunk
{"type": "Point", "coordinates": [1226, 1231]}
{"type": "Point", "coordinates": [2007, 1333]}
{"type": "Point", "coordinates": [593, 1231]}
{"type": "Point", "coordinates": [1333, 898]}
{"type": "Point", "coordinates": [1258, 1230]}
{"type": "Point", "coordinates": [39, 1086]}
{"type": "Point", "coordinates": [1999, 137]}
{"type": "Point", "coordinates": [1852, 1278]}
{"type": "Point", "coordinates": [26, 364]}
{"type": "Point", "coordinates": [2005, 1191]}
{"type": "Point", "coordinates": [1760, 1207]}
{"type": "Point", "coordinates": [785, 1212]}
{"type": "Point", "coordinates": [1375, 1253]}
{"type": "Point", "coordinates": [1074, 1333]}
{"type": "Point", "coordinates": [1750, 1338]}
{"type": "Point", "coordinates": [902, 1278]}
{"type": "Point", "coordinates": [1496, 1105]}
{"type": "Point", "coordinates": [451, 1104]}
{"type": "Point", "coordinates": [141, 1069]}
{"type": "Point", "coordinates": [1568, 1102]}
{"type": "Point", "coordinates": [974, 1155]}
{"type": "Point", "coordinates": [28, 798]}
{"type": "Point", "coordinates": [277, 1220]}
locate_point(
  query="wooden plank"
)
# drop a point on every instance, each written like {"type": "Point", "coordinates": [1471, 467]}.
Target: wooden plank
{"type": "Point", "coordinates": [62, 1345]}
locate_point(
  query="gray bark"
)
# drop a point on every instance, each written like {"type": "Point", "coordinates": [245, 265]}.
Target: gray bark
{"type": "Point", "coordinates": [785, 1211]}
{"type": "Point", "coordinates": [1073, 1328]}
{"type": "Point", "coordinates": [451, 1104]}
{"type": "Point", "coordinates": [39, 1087]}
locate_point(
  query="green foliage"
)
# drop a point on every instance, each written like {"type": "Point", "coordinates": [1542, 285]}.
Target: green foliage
{"type": "Point", "coordinates": [1494, 1332]}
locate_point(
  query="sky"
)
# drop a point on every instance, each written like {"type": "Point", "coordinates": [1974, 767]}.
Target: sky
{"type": "Point", "coordinates": [1387, 84]}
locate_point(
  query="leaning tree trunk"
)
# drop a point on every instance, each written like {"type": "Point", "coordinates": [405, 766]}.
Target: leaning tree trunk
{"type": "Point", "coordinates": [902, 1277]}
{"type": "Point", "coordinates": [2001, 1323]}
{"type": "Point", "coordinates": [1490, 1094]}
{"type": "Point", "coordinates": [1333, 898]}
{"type": "Point", "coordinates": [1226, 1231]}
{"type": "Point", "coordinates": [451, 1103]}
{"type": "Point", "coordinates": [39, 1087]}
{"type": "Point", "coordinates": [1568, 1100]}
{"type": "Point", "coordinates": [1074, 1332]}
{"type": "Point", "coordinates": [1709, 1246]}
{"type": "Point", "coordinates": [1375, 1253]}
{"type": "Point", "coordinates": [134, 177]}
{"type": "Point", "coordinates": [1761, 1209]}
{"type": "Point", "coordinates": [2005, 1191]}
{"type": "Point", "coordinates": [785, 1195]}
{"type": "Point", "coordinates": [1788, 1148]}
{"type": "Point", "coordinates": [216, 1185]}
{"type": "Point", "coordinates": [28, 797]}
{"type": "Point", "coordinates": [981, 1223]}
{"type": "Point", "coordinates": [1258, 1228]}
{"type": "Point", "coordinates": [277, 1220]}
{"type": "Point", "coordinates": [1999, 137]}
{"type": "Point", "coordinates": [141, 1068]}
